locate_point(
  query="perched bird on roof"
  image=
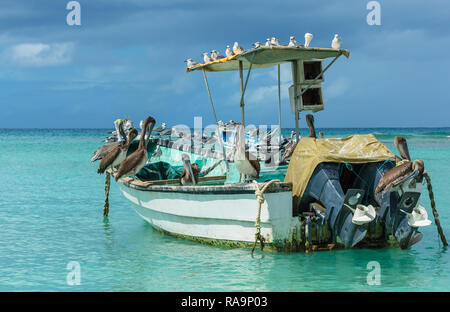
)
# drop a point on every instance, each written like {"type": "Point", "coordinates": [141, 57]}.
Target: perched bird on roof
{"type": "Point", "coordinates": [228, 51]}
{"type": "Point", "coordinates": [216, 55]}
{"type": "Point", "coordinates": [274, 41]}
{"type": "Point", "coordinates": [206, 58]}
{"type": "Point", "coordinates": [257, 44]}
{"type": "Point", "coordinates": [292, 42]}
{"type": "Point", "coordinates": [336, 43]}
{"type": "Point", "coordinates": [190, 63]}
{"type": "Point", "coordinates": [237, 49]}
{"type": "Point", "coordinates": [308, 38]}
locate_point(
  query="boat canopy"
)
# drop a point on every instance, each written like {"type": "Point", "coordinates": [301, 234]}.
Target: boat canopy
{"type": "Point", "coordinates": [310, 152]}
{"type": "Point", "coordinates": [264, 57]}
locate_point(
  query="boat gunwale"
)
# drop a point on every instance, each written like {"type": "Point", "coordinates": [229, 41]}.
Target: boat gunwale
{"type": "Point", "coordinates": [238, 188]}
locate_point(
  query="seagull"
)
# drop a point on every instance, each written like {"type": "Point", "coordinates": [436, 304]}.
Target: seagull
{"type": "Point", "coordinates": [190, 63]}
{"type": "Point", "coordinates": [216, 55]}
{"type": "Point", "coordinates": [292, 42]}
{"type": "Point", "coordinates": [206, 57]}
{"type": "Point", "coordinates": [274, 41]}
{"type": "Point", "coordinates": [336, 43]}
{"type": "Point", "coordinates": [237, 49]}
{"type": "Point", "coordinates": [268, 43]}
{"type": "Point", "coordinates": [228, 51]}
{"type": "Point", "coordinates": [308, 38]}
{"type": "Point", "coordinates": [257, 44]}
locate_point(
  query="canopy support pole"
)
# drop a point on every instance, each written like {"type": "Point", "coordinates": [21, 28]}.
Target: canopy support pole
{"type": "Point", "coordinates": [209, 94]}
{"type": "Point", "coordinates": [241, 73]}
{"type": "Point", "coordinates": [219, 136]}
{"type": "Point", "coordinates": [279, 102]}
{"type": "Point", "coordinates": [295, 80]}
{"type": "Point", "coordinates": [241, 76]}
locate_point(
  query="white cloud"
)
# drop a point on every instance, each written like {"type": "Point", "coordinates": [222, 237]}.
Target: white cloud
{"type": "Point", "coordinates": [38, 54]}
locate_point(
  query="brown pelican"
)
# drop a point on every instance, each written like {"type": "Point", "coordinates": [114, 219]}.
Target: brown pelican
{"type": "Point", "coordinates": [190, 172]}
{"type": "Point", "coordinates": [310, 123]}
{"type": "Point", "coordinates": [134, 162]}
{"type": "Point", "coordinates": [115, 156]}
{"type": "Point", "coordinates": [402, 172]}
{"type": "Point", "coordinates": [103, 150]}
{"type": "Point", "coordinates": [402, 147]}
{"type": "Point", "coordinates": [247, 164]}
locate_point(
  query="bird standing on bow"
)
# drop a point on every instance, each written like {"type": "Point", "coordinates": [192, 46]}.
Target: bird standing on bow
{"type": "Point", "coordinates": [246, 163]}
{"type": "Point", "coordinates": [134, 162]}
{"type": "Point", "coordinates": [237, 49]}
{"type": "Point", "coordinates": [104, 149]}
{"type": "Point", "coordinates": [115, 156]}
{"type": "Point", "coordinates": [190, 172]}
{"type": "Point", "coordinates": [268, 44]}
{"type": "Point", "coordinates": [336, 43]}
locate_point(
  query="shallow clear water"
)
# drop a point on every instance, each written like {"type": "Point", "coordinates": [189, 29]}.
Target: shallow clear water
{"type": "Point", "coordinates": [51, 202]}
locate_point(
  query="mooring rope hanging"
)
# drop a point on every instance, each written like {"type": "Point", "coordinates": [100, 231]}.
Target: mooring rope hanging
{"type": "Point", "coordinates": [260, 199]}
{"type": "Point", "coordinates": [107, 184]}
{"type": "Point", "coordinates": [433, 207]}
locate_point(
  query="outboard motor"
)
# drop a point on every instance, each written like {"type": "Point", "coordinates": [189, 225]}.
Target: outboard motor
{"type": "Point", "coordinates": [395, 205]}
{"type": "Point", "coordinates": [342, 210]}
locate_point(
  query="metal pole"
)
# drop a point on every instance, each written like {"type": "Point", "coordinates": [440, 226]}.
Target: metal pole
{"type": "Point", "coordinates": [279, 101]}
{"type": "Point", "coordinates": [241, 76]}
{"type": "Point", "coordinates": [295, 80]}
{"type": "Point", "coordinates": [210, 98]}
{"type": "Point", "coordinates": [219, 136]}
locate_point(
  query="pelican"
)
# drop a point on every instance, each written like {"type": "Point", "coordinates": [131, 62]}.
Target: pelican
{"type": "Point", "coordinates": [104, 149]}
{"type": "Point", "coordinates": [310, 123]}
{"type": "Point", "coordinates": [134, 162]}
{"type": "Point", "coordinates": [190, 172]}
{"type": "Point", "coordinates": [402, 147]}
{"type": "Point", "coordinates": [402, 172]}
{"type": "Point", "coordinates": [115, 156]}
{"type": "Point", "coordinates": [246, 165]}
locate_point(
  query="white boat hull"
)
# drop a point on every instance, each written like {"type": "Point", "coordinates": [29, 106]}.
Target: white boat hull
{"type": "Point", "coordinates": [217, 216]}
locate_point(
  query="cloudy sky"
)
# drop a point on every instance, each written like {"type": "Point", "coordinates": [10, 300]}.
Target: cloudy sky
{"type": "Point", "coordinates": [126, 59]}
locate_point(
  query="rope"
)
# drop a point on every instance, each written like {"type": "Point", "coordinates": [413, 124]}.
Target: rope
{"type": "Point", "coordinates": [260, 199]}
{"type": "Point", "coordinates": [107, 184]}
{"type": "Point", "coordinates": [433, 207]}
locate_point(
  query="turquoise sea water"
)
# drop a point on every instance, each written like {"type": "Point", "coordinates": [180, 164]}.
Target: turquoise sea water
{"type": "Point", "coordinates": [51, 202]}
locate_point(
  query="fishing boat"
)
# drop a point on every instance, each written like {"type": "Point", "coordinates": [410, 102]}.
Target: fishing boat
{"type": "Point", "coordinates": [350, 192]}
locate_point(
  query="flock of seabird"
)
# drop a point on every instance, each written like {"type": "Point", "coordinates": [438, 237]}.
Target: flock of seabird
{"type": "Point", "coordinates": [113, 154]}
{"type": "Point", "coordinates": [270, 42]}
